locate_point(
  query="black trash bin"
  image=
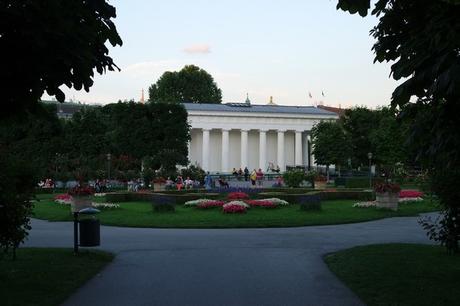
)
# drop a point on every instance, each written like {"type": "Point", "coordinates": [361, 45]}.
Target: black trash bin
{"type": "Point", "coordinates": [90, 232]}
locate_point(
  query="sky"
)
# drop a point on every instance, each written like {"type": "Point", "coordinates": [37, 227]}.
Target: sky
{"type": "Point", "coordinates": [284, 49]}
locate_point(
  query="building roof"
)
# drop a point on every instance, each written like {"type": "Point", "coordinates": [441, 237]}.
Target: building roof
{"type": "Point", "coordinates": [339, 111]}
{"type": "Point", "coordinates": [252, 108]}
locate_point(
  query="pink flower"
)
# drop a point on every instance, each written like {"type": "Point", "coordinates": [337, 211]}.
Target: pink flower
{"type": "Point", "coordinates": [210, 204]}
{"type": "Point", "coordinates": [262, 203]}
{"type": "Point", "coordinates": [65, 197]}
{"type": "Point", "coordinates": [410, 194]}
{"type": "Point", "coordinates": [234, 209]}
{"type": "Point", "coordinates": [237, 196]}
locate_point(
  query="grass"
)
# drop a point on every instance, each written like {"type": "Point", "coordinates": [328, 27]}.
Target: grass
{"type": "Point", "coordinates": [399, 274]}
{"type": "Point", "coordinates": [140, 214]}
{"type": "Point", "coordinates": [47, 276]}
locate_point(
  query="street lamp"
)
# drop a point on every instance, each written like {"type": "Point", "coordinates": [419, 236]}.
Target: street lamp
{"type": "Point", "coordinates": [369, 156]}
{"type": "Point", "coordinates": [109, 157]}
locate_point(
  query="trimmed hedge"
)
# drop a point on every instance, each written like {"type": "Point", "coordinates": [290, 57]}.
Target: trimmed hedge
{"type": "Point", "coordinates": [150, 197]}
{"type": "Point", "coordinates": [347, 195]}
{"type": "Point", "coordinates": [355, 182]}
{"type": "Point", "coordinates": [310, 201]}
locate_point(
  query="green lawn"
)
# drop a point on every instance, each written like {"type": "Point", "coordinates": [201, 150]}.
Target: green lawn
{"type": "Point", "coordinates": [140, 214]}
{"type": "Point", "coordinates": [399, 274]}
{"type": "Point", "coordinates": [47, 276]}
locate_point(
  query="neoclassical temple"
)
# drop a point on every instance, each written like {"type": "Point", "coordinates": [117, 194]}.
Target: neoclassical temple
{"type": "Point", "coordinates": [234, 135]}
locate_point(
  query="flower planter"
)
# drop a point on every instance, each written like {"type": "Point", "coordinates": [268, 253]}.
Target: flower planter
{"type": "Point", "coordinates": [80, 202]}
{"type": "Point", "coordinates": [159, 187]}
{"type": "Point", "coordinates": [320, 184]}
{"type": "Point", "coordinates": [388, 200]}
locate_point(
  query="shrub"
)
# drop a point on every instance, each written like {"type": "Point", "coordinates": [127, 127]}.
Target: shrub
{"type": "Point", "coordinates": [347, 195]}
{"type": "Point", "coordinates": [310, 201]}
{"type": "Point", "coordinates": [116, 197]}
{"type": "Point", "coordinates": [163, 203]}
{"type": "Point", "coordinates": [293, 178]}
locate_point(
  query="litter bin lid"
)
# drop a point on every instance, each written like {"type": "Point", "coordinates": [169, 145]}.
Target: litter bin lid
{"type": "Point", "coordinates": [89, 211]}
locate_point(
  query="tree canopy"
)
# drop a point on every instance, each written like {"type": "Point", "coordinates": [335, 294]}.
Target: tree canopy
{"type": "Point", "coordinates": [190, 84]}
{"type": "Point", "coordinates": [46, 44]}
{"type": "Point", "coordinates": [422, 39]}
{"type": "Point", "coordinates": [331, 145]}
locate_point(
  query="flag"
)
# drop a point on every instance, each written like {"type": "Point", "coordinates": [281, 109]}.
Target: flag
{"type": "Point", "coordinates": [309, 94]}
{"type": "Point", "coordinates": [322, 92]}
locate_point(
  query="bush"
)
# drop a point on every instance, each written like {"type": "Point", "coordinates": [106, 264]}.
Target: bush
{"type": "Point", "coordinates": [310, 201]}
{"type": "Point", "coordinates": [17, 184]}
{"type": "Point", "coordinates": [293, 178]}
{"type": "Point", "coordinates": [163, 203]}
{"type": "Point", "coordinates": [194, 172]}
{"type": "Point", "coordinates": [347, 195]}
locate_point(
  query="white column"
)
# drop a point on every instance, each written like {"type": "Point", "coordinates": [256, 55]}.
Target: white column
{"type": "Point", "coordinates": [307, 152]}
{"type": "Point", "coordinates": [298, 148]}
{"type": "Point", "coordinates": [263, 150]}
{"type": "Point", "coordinates": [312, 156]}
{"type": "Point", "coordinates": [281, 161]}
{"type": "Point", "coordinates": [244, 148]}
{"type": "Point", "coordinates": [205, 151]}
{"type": "Point", "coordinates": [225, 148]}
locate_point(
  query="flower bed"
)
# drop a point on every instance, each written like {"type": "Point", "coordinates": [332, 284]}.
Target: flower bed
{"type": "Point", "coordinates": [410, 194]}
{"type": "Point", "coordinates": [105, 206]}
{"type": "Point", "coordinates": [234, 208]}
{"type": "Point", "coordinates": [195, 203]}
{"type": "Point", "coordinates": [237, 196]}
{"type": "Point", "coordinates": [210, 204]}
{"type": "Point", "coordinates": [64, 199]}
{"type": "Point", "coordinates": [261, 203]}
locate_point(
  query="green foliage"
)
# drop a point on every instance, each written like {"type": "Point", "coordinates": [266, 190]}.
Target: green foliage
{"type": "Point", "coordinates": [57, 43]}
{"type": "Point", "coordinates": [17, 182]}
{"type": "Point", "coordinates": [424, 48]}
{"type": "Point", "coordinates": [294, 178]}
{"type": "Point", "coordinates": [194, 172]}
{"type": "Point", "coordinates": [191, 84]}
{"type": "Point", "coordinates": [331, 144]}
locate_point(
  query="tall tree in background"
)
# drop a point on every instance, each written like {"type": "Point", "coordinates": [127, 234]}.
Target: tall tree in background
{"type": "Point", "coordinates": [191, 84]}
{"type": "Point", "coordinates": [422, 38]}
{"type": "Point", "coordinates": [331, 145]}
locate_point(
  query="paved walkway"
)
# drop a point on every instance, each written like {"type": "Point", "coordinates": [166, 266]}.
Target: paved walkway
{"type": "Point", "coordinates": [277, 266]}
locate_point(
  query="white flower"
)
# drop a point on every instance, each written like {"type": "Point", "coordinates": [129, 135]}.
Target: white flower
{"type": "Point", "coordinates": [410, 199]}
{"type": "Point", "coordinates": [240, 203]}
{"type": "Point", "coordinates": [365, 204]}
{"type": "Point", "coordinates": [105, 205]}
{"type": "Point", "coordinates": [100, 194]}
{"type": "Point", "coordinates": [276, 201]}
{"type": "Point", "coordinates": [196, 202]}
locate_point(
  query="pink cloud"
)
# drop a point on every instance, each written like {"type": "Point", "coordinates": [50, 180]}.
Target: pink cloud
{"type": "Point", "coordinates": [198, 49]}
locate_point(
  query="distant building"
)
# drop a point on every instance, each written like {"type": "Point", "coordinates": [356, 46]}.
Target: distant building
{"type": "Point", "coordinates": [234, 135]}
{"type": "Point", "coordinates": [66, 110]}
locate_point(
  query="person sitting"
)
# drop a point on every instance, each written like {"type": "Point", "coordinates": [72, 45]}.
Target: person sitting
{"type": "Point", "coordinates": [188, 183]}
{"type": "Point", "coordinates": [278, 182]}
{"type": "Point", "coordinates": [169, 184]}
{"type": "Point", "coordinates": [223, 183]}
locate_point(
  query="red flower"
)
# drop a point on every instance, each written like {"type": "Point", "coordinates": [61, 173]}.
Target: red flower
{"type": "Point", "coordinates": [261, 203]}
{"type": "Point", "coordinates": [65, 197]}
{"type": "Point", "coordinates": [81, 191]}
{"type": "Point", "coordinates": [410, 194]}
{"type": "Point", "coordinates": [210, 204]}
{"type": "Point", "coordinates": [237, 196]}
{"type": "Point", "coordinates": [387, 187]}
{"type": "Point", "coordinates": [234, 209]}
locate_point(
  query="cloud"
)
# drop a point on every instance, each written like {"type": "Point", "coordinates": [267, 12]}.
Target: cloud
{"type": "Point", "coordinates": [198, 49]}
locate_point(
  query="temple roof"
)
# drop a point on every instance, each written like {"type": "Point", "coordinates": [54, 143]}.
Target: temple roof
{"type": "Point", "coordinates": [253, 108]}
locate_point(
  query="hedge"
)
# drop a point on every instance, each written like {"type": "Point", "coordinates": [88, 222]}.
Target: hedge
{"type": "Point", "coordinates": [355, 182]}
{"type": "Point", "coordinates": [117, 197]}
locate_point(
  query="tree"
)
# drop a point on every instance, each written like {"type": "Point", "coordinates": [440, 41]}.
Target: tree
{"type": "Point", "coordinates": [191, 84]}
{"type": "Point", "coordinates": [331, 145]}
{"type": "Point", "coordinates": [358, 123]}
{"type": "Point", "coordinates": [46, 44]}
{"type": "Point", "coordinates": [422, 38]}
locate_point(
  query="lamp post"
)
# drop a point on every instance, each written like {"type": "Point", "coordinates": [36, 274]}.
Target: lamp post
{"type": "Point", "coordinates": [109, 157]}
{"type": "Point", "coordinates": [369, 156]}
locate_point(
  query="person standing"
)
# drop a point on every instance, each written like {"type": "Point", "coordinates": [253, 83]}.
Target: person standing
{"type": "Point", "coordinates": [259, 177]}
{"type": "Point", "coordinates": [253, 177]}
{"type": "Point", "coordinates": [246, 173]}
{"type": "Point", "coordinates": [208, 181]}
{"type": "Point", "coordinates": [179, 182]}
